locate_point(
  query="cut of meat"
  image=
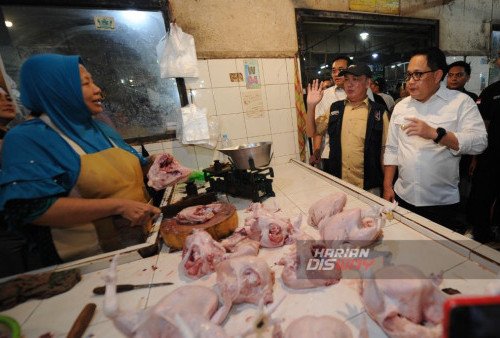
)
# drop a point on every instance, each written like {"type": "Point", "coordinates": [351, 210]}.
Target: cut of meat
{"type": "Point", "coordinates": [198, 214]}
{"type": "Point", "coordinates": [167, 171]}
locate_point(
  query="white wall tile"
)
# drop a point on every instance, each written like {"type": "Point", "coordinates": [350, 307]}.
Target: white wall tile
{"type": "Point", "coordinates": [205, 156]}
{"type": "Point", "coordinates": [233, 125]}
{"type": "Point", "coordinates": [153, 148]}
{"type": "Point", "coordinates": [240, 67]}
{"type": "Point", "coordinates": [186, 155]}
{"type": "Point", "coordinates": [227, 101]}
{"type": "Point", "coordinates": [283, 144]}
{"type": "Point", "coordinates": [291, 94]}
{"type": "Point", "coordinates": [262, 138]}
{"type": "Point", "coordinates": [257, 126]}
{"type": "Point", "coordinates": [203, 79]}
{"type": "Point", "coordinates": [219, 72]}
{"type": "Point", "coordinates": [290, 69]}
{"type": "Point", "coordinates": [275, 71]}
{"type": "Point", "coordinates": [281, 120]}
{"type": "Point", "coordinates": [278, 96]}
{"type": "Point", "coordinates": [204, 98]}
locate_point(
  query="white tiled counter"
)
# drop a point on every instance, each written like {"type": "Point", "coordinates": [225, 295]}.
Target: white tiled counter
{"type": "Point", "coordinates": [466, 265]}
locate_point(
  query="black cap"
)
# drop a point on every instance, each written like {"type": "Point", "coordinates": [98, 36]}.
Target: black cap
{"type": "Point", "coordinates": [357, 69]}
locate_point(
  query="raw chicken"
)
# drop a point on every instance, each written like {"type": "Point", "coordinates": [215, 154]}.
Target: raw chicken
{"type": "Point", "coordinates": [403, 301]}
{"type": "Point", "coordinates": [201, 253]}
{"type": "Point", "coordinates": [198, 214]}
{"type": "Point", "coordinates": [325, 207]}
{"type": "Point", "coordinates": [294, 262]}
{"type": "Point", "coordinates": [269, 227]}
{"type": "Point", "coordinates": [159, 320]}
{"type": "Point", "coordinates": [166, 171]}
{"type": "Point", "coordinates": [354, 226]}
{"type": "Point", "coordinates": [244, 279]}
{"type": "Point", "coordinates": [318, 327]}
{"type": "Point", "coordinates": [238, 244]}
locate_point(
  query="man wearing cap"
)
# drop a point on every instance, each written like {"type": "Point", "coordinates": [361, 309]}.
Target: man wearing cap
{"type": "Point", "coordinates": [357, 130]}
{"type": "Point", "coordinates": [428, 133]}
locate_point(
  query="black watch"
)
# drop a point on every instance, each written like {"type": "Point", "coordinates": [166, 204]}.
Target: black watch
{"type": "Point", "coordinates": [441, 132]}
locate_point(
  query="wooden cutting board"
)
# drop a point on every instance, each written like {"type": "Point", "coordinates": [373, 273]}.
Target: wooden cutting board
{"type": "Point", "coordinates": [221, 225]}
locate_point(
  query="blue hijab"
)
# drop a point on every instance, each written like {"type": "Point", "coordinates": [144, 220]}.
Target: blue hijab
{"type": "Point", "coordinates": [36, 161]}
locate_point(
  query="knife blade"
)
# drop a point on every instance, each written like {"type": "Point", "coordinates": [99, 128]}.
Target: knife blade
{"type": "Point", "coordinates": [82, 321]}
{"type": "Point", "coordinates": [127, 287]}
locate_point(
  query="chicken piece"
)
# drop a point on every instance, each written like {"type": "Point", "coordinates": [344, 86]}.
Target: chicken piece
{"type": "Point", "coordinates": [318, 327]}
{"type": "Point", "coordinates": [159, 320]}
{"type": "Point", "coordinates": [403, 301]}
{"type": "Point", "coordinates": [166, 171]}
{"type": "Point", "coordinates": [201, 253]}
{"type": "Point", "coordinates": [293, 263]}
{"type": "Point", "coordinates": [353, 226]}
{"type": "Point", "coordinates": [325, 207]}
{"type": "Point", "coordinates": [238, 244]}
{"type": "Point", "coordinates": [198, 214]}
{"type": "Point", "coordinates": [270, 228]}
{"type": "Point", "coordinates": [199, 327]}
{"type": "Point", "coordinates": [244, 279]}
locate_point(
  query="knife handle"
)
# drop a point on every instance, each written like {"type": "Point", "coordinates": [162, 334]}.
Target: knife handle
{"type": "Point", "coordinates": [82, 322]}
{"type": "Point", "coordinates": [119, 288]}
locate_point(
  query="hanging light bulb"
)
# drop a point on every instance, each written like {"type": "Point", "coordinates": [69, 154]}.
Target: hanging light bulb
{"type": "Point", "coordinates": [364, 35]}
{"type": "Point", "coordinates": [374, 55]}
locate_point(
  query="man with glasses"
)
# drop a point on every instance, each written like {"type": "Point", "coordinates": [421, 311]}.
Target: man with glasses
{"type": "Point", "coordinates": [357, 130]}
{"type": "Point", "coordinates": [428, 133]}
{"type": "Point", "coordinates": [458, 76]}
{"type": "Point", "coordinates": [330, 95]}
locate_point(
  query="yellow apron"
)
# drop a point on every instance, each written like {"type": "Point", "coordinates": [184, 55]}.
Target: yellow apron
{"type": "Point", "coordinates": [111, 173]}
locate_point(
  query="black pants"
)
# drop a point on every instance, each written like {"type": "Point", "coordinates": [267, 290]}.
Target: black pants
{"type": "Point", "coordinates": [484, 193]}
{"type": "Point", "coordinates": [445, 215]}
{"type": "Point", "coordinates": [327, 165]}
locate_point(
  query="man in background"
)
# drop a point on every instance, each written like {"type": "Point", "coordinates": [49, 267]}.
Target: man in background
{"type": "Point", "coordinates": [378, 86]}
{"type": "Point", "coordinates": [321, 148]}
{"type": "Point", "coordinates": [428, 133]}
{"type": "Point", "coordinates": [483, 209]}
{"type": "Point", "coordinates": [458, 76]}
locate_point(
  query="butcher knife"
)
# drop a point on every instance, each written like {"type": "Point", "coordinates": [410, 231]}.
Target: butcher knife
{"type": "Point", "coordinates": [127, 287]}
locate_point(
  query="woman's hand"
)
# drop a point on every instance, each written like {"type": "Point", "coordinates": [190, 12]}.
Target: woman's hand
{"type": "Point", "coordinates": [137, 213]}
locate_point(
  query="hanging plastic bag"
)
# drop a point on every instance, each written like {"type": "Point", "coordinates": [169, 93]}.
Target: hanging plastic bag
{"type": "Point", "coordinates": [194, 125]}
{"type": "Point", "coordinates": [176, 54]}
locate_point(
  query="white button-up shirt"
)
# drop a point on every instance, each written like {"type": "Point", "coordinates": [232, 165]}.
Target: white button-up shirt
{"type": "Point", "coordinates": [428, 172]}
{"type": "Point", "coordinates": [331, 95]}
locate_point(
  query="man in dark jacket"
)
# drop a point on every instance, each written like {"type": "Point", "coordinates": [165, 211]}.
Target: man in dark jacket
{"type": "Point", "coordinates": [357, 128]}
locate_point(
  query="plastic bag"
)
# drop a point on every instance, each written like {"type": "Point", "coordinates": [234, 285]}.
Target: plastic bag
{"type": "Point", "coordinates": [194, 125]}
{"type": "Point", "coordinates": [176, 54]}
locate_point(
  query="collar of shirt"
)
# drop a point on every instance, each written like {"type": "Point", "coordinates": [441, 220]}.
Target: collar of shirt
{"type": "Point", "coordinates": [364, 103]}
{"type": "Point", "coordinates": [442, 93]}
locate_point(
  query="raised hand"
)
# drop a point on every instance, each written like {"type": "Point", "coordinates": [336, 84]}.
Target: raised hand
{"type": "Point", "coordinates": [314, 93]}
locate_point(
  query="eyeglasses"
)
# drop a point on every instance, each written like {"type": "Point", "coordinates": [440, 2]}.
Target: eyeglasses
{"type": "Point", "coordinates": [336, 71]}
{"type": "Point", "coordinates": [457, 75]}
{"type": "Point", "coordinates": [416, 76]}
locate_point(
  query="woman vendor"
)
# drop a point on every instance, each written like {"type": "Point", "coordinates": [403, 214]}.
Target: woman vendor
{"type": "Point", "coordinates": [7, 112]}
{"type": "Point", "coordinates": [66, 176]}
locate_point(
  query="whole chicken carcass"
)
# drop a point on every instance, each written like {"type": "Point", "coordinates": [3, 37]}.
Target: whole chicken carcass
{"type": "Point", "coordinates": [353, 226]}
{"type": "Point", "coordinates": [201, 253]}
{"type": "Point", "coordinates": [325, 207]}
{"type": "Point", "coordinates": [403, 301]}
{"type": "Point", "coordinates": [293, 262]}
{"type": "Point", "coordinates": [270, 228]}
{"type": "Point", "coordinates": [244, 279]}
{"type": "Point", "coordinates": [159, 320]}
{"type": "Point", "coordinates": [166, 171]}
{"type": "Point", "coordinates": [238, 244]}
{"type": "Point", "coordinates": [318, 327]}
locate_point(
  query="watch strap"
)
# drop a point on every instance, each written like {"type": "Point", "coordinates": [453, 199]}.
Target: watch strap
{"type": "Point", "coordinates": [441, 132]}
